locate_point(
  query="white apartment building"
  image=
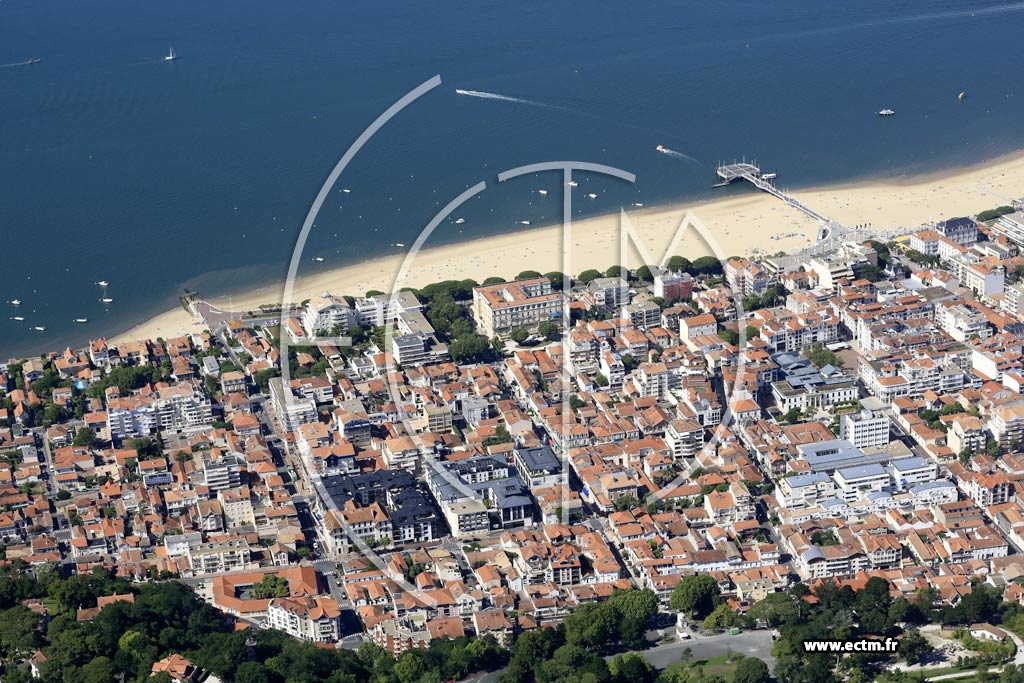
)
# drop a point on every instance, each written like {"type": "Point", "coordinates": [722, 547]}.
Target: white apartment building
{"type": "Point", "coordinates": [1012, 226]}
{"type": "Point", "coordinates": [697, 326]}
{"type": "Point", "coordinates": [804, 490]}
{"type": "Point", "coordinates": [326, 312]}
{"type": "Point", "coordinates": [177, 407]}
{"type": "Point", "coordinates": [961, 322]}
{"type": "Point", "coordinates": [685, 438]}
{"type": "Point", "coordinates": [507, 306]}
{"type": "Point", "coordinates": [291, 408]}
{"type": "Point", "coordinates": [309, 618]}
{"type": "Point", "coordinates": [1007, 424]}
{"type": "Point", "coordinates": [608, 292]}
{"type": "Point", "coordinates": [855, 483]}
{"type": "Point", "coordinates": [864, 429]}
{"type": "Point", "coordinates": [907, 473]}
{"type": "Point", "coordinates": [220, 557]}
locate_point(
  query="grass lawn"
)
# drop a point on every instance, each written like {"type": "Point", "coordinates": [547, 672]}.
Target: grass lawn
{"type": "Point", "coordinates": [723, 665]}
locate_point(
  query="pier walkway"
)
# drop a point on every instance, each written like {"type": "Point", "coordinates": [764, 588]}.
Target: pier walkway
{"type": "Point", "coordinates": [831, 233]}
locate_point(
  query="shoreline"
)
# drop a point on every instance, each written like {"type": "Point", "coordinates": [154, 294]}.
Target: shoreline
{"type": "Point", "coordinates": [742, 225]}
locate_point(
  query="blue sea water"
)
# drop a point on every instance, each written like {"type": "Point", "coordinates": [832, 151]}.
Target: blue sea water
{"type": "Point", "coordinates": [156, 176]}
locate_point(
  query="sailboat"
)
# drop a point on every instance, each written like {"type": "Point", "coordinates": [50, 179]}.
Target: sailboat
{"type": "Point", "coordinates": [170, 56]}
{"type": "Point", "coordinates": [962, 94]}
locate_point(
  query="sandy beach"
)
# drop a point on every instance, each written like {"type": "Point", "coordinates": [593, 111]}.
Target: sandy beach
{"type": "Point", "coordinates": [740, 225]}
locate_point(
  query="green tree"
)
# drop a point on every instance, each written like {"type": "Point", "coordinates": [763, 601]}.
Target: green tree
{"type": "Point", "coordinates": [85, 438]}
{"type": "Point", "coordinates": [644, 274]}
{"type": "Point", "coordinates": [556, 279]}
{"type": "Point", "coordinates": [722, 617]}
{"type": "Point", "coordinates": [729, 336]}
{"type": "Point", "coordinates": [494, 280]}
{"type": "Point", "coordinates": [635, 604]}
{"type": "Point", "coordinates": [528, 275]}
{"type": "Point", "coordinates": [550, 330]}
{"type": "Point", "coordinates": [775, 609]}
{"type": "Point", "coordinates": [468, 348]}
{"type": "Point", "coordinates": [19, 635]}
{"type": "Point", "coordinates": [519, 335]}
{"type": "Point", "coordinates": [751, 670]}
{"type": "Point", "coordinates": [615, 271]}
{"type": "Point", "coordinates": [631, 668]}
{"type": "Point", "coordinates": [695, 595]}
{"type": "Point", "coordinates": [588, 276]}
{"type": "Point", "coordinates": [913, 646]}
{"type": "Point", "coordinates": [252, 672]}
{"type": "Point", "coordinates": [592, 626]}
{"type": "Point", "coordinates": [679, 264]}
{"type": "Point", "coordinates": [707, 265]}
{"type": "Point", "coordinates": [99, 670]}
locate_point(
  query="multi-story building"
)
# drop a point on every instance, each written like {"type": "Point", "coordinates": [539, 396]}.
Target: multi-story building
{"type": "Point", "coordinates": [381, 309]}
{"type": "Point", "coordinates": [538, 466]}
{"type": "Point", "coordinates": [856, 482]}
{"type": "Point", "coordinates": [315, 619]}
{"type": "Point", "coordinates": [325, 314]}
{"type": "Point", "coordinates": [804, 490]}
{"type": "Point", "coordinates": [685, 438]}
{"type": "Point", "coordinates": [507, 306]}
{"type": "Point", "coordinates": [179, 407]}
{"type": "Point", "coordinates": [1007, 424]}
{"type": "Point", "coordinates": [479, 494]}
{"type": "Point", "coordinates": [864, 429]}
{"type": "Point", "coordinates": [608, 292]}
{"type": "Point", "coordinates": [221, 470]}
{"type": "Point", "coordinates": [291, 408]}
{"type": "Point", "coordinates": [747, 278]}
{"type": "Point", "coordinates": [670, 286]}
{"type": "Point", "coordinates": [697, 326]}
{"type": "Point", "coordinates": [644, 315]}
{"type": "Point", "coordinates": [220, 556]}
{"type": "Point", "coordinates": [1012, 226]}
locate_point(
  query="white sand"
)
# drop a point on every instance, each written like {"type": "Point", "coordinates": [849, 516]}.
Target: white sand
{"type": "Point", "coordinates": [740, 225]}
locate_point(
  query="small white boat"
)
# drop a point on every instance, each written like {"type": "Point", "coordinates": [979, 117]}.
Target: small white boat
{"type": "Point", "coordinates": [399, 244]}
{"type": "Point", "coordinates": [103, 283]}
{"type": "Point", "coordinates": [572, 183]}
{"type": "Point", "coordinates": [81, 320]}
{"type": "Point", "coordinates": [346, 190]}
{"type": "Point", "coordinates": [524, 222]}
{"type": "Point", "coordinates": [769, 176]}
{"type": "Point", "coordinates": [592, 196]}
{"type": "Point", "coordinates": [319, 259]}
{"type": "Point", "coordinates": [962, 95]}
{"type": "Point", "coordinates": [460, 221]}
{"type": "Point", "coordinates": [15, 302]}
{"type": "Point", "coordinates": [171, 56]}
{"type": "Point", "coordinates": [542, 191]}
{"type": "Point", "coordinates": [18, 318]}
{"type": "Point", "coordinates": [39, 328]}
{"type": "Point", "coordinates": [638, 203]}
{"type": "Point", "coordinates": [886, 112]}
{"type": "Point", "coordinates": [107, 301]}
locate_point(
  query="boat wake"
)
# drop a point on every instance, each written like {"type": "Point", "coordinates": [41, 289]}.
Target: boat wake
{"type": "Point", "coordinates": [678, 155]}
{"type": "Point", "coordinates": [27, 62]}
{"type": "Point", "coordinates": [502, 98]}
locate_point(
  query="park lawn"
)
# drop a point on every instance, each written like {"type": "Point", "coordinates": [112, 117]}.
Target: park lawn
{"type": "Point", "coordinates": [723, 665]}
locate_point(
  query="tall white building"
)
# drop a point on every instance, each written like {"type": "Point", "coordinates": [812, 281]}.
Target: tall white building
{"type": "Point", "coordinates": [864, 429]}
{"type": "Point", "coordinates": [326, 312]}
